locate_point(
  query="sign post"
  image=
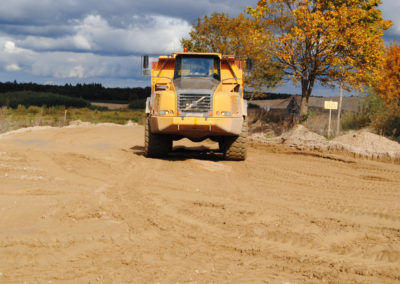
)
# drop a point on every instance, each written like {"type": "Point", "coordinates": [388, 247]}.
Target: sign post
{"type": "Point", "coordinates": [330, 105]}
{"type": "Point", "coordinates": [340, 109]}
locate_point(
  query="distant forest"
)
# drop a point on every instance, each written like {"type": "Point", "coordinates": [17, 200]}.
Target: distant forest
{"type": "Point", "coordinates": [90, 92]}
{"type": "Point", "coordinates": [96, 92]}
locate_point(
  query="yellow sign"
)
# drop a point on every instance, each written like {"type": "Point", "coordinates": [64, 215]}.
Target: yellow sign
{"type": "Point", "coordinates": [330, 105]}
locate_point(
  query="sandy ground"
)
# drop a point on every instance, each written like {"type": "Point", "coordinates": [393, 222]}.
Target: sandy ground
{"type": "Point", "coordinates": [82, 205]}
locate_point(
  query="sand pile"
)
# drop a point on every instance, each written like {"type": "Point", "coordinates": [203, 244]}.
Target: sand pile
{"type": "Point", "coordinates": [72, 124]}
{"type": "Point", "coordinates": [24, 130]}
{"type": "Point", "coordinates": [300, 137]}
{"type": "Point", "coordinates": [362, 143]}
{"type": "Point", "coordinates": [367, 144]}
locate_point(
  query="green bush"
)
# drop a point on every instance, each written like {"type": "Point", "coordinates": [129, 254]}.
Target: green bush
{"type": "Point", "coordinates": [29, 98]}
{"type": "Point", "coordinates": [371, 107]}
{"type": "Point", "coordinates": [251, 105]}
{"type": "Point", "coordinates": [383, 118]}
{"type": "Point", "coordinates": [34, 109]}
{"type": "Point", "coordinates": [388, 122]}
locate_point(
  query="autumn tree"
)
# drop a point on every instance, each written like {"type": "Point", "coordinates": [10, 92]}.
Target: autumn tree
{"type": "Point", "coordinates": [388, 87]}
{"type": "Point", "coordinates": [217, 33]}
{"type": "Point", "coordinates": [322, 41]}
{"type": "Point", "coordinates": [231, 36]}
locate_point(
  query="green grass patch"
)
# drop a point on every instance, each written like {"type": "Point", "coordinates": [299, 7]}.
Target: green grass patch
{"type": "Point", "coordinates": [58, 116]}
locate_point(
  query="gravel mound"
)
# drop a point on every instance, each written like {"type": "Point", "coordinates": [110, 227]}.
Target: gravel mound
{"type": "Point", "coordinates": [361, 143]}
{"type": "Point", "coordinates": [367, 144]}
{"type": "Point", "coordinates": [301, 137]}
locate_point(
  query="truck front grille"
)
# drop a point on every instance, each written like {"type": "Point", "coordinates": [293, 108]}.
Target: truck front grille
{"type": "Point", "coordinates": [194, 103]}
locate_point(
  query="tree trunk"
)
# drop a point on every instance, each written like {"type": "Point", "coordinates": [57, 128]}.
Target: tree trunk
{"type": "Point", "coordinates": [339, 110]}
{"type": "Point", "coordinates": [303, 106]}
{"type": "Point", "coordinates": [305, 93]}
{"type": "Point", "coordinates": [307, 85]}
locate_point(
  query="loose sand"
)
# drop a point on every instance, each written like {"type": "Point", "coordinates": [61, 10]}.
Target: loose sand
{"type": "Point", "coordinates": [83, 205]}
{"type": "Point", "coordinates": [361, 143]}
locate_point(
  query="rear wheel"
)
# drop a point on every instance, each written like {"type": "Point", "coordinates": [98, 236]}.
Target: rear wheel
{"type": "Point", "coordinates": [235, 147]}
{"type": "Point", "coordinates": [155, 145]}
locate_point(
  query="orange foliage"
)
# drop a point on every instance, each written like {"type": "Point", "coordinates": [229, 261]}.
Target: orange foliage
{"type": "Point", "coordinates": [388, 87]}
{"type": "Point", "coordinates": [309, 41]}
{"type": "Point", "coordinates": [323, 41]}
{"type": "Point", "coordinates": [235, 36]}
{"type": "Point", "coordinates": [218, 33]}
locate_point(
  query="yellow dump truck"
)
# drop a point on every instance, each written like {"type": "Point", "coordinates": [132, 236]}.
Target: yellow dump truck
{"type": "Point", "coordinates": [196, 96]}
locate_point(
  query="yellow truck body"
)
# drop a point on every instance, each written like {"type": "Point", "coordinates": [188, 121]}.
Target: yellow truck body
{"type": "Point", "coordinates": [196, 96]}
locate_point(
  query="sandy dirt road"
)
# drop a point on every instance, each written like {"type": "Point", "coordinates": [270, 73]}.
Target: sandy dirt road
{"type": "Point", "coordinates": [82, 205]}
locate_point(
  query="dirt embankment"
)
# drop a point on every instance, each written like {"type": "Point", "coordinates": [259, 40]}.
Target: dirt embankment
{"type": "Point", "coordinates": [360, 143]}
{"type": "Point", "coordinates": [82, 205]}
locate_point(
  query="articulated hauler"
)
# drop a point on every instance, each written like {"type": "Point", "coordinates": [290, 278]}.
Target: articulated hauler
{"type": "Point", "coordinates": [196, 96]}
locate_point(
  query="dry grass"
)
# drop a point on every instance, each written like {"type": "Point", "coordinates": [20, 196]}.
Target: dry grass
{"type": "Point", "coordinates": [318, 122]}
{"type": "Point", "coordinates": [11, 119]}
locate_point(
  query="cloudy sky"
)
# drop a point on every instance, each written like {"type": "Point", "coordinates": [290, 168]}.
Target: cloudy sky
{"type": "Point", "coordinates": [71, 41]}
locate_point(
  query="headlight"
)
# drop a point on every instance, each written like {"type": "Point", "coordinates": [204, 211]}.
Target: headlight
{"type": "Point", "coordinates": [165, 112]}
{"type": "Point", "coordinates": [226, 113]}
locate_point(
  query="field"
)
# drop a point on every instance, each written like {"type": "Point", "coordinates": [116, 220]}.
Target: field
{"type": "Point", "coordinates": [81, 204]}
{"type": "Point", "coordinates": [12, 119]}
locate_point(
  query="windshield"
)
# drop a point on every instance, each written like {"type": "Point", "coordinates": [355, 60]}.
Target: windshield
{"type": "Point", "coordinates": [197, 66]}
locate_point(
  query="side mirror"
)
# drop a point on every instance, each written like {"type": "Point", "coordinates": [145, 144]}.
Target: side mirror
{"type": "Point", "coordinates": [145, 62]}
{"type": "Point", "coordinates": [145, 67]}
{"type": "Point", "coordinates": [249, 64]}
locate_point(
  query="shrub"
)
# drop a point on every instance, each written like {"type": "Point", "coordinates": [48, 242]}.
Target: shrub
{"type": "Point", "coordinates": [371, 107]}
{"type": "Point", "coordinates": [34, 109]}
{"type": "Point", "coordinates": [388, 122]}
{"type": "Point", "coordinates": [251, 105]}
{"type": "Point", "coordinates": [383, 118]}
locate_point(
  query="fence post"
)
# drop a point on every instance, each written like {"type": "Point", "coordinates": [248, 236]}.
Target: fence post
{"type": "Point", "coordinates": [65, 117]}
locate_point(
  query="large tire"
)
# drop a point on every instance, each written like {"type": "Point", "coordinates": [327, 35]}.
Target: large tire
{"type": "Point", "coordinates": [155, 145]}
{"type": "Point", "coordinates": [235, 147]}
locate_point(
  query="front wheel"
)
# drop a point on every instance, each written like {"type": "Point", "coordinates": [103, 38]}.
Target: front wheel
{"type": "Point", "coordinates": [235, 147]}
{"type": "Point", "coordinates": [155, 145]}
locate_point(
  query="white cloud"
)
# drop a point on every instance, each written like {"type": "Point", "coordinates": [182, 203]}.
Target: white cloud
{"type": "Point", "coordinates": [45, 12]}
{"type": "Point", "coordinates": [63, 65]}
{"type": "Point", "coordinates": [159, 35]}
{"type": "Point", "coordinates": [12, 67]}
{"type": "Point", "coordinates": [93, 49]}
{"type": "Point", "coordinates": [10, 47]}
{"type": "Point", "coordinates": [390, 11]}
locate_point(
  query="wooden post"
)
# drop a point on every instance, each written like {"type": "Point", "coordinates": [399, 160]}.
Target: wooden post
{"type": "Point", "coordinates": [339, 109]}
{"type": "Point", "coordinates": [330, 105]}
{"type": "Point", "coordinates": [65, 116]}
{"type": "Point", "coordinates": [329, 122]}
